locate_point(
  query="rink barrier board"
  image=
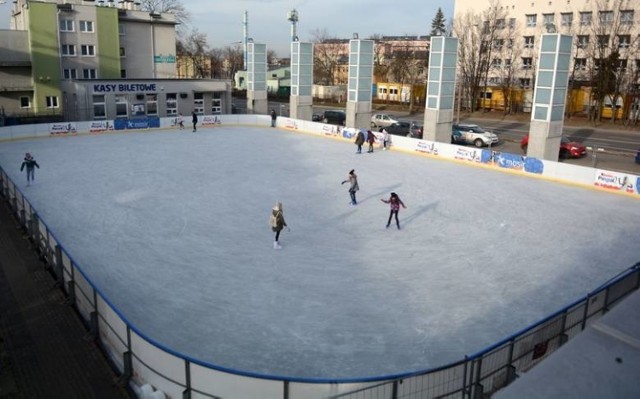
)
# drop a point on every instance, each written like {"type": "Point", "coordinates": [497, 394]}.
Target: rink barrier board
{"type": "Point", "coordinates": [150, 362]}
{"type": "Point", "coordinates": [594, 178]}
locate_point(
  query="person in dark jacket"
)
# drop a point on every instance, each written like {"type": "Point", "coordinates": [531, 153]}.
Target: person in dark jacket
{"type": "Point", "coordinates": [353, 186]}
{"type": "Point", "coordinates": [274, 116]}
{"type": "Point", "coordinates": [278, 223]}
{"type": "Point", "coordinates": [359, 141]}
{"type": "Point", "coordinates": [194, 120]}
{"type": "Point", "coordinates": [31, 164]}
{"type": "Point", "coordinates": [394, 203]}
{"type": "Point", "coordinates": [371, 138]}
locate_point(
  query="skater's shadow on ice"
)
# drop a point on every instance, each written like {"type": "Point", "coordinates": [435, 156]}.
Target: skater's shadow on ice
{"type": "Point", "coordinates": [418, 213]}
{"type": "Point", "coordinates": [380, 194]}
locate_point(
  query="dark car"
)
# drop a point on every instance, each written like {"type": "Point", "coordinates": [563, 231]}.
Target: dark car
{"type": "Point", "coordinates": [406, 129]}
{"type": "Point", "coordinates": [638, 157]}
{"type": "Point", "coordinates": [568, 148]}
{"type": "Point", "coordinates": [316, 117]}
{"type": "Point", "coordinates": [334, 117]}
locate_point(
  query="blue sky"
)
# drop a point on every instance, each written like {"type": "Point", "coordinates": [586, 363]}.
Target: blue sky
{"type": "Point", "coordinates": [221, 20]}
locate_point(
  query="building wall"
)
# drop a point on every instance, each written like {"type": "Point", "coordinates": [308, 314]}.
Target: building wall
{"type": "Point", "coordinates": [108, 41]}
{"type": "Point", "coordinates": [43, 34]}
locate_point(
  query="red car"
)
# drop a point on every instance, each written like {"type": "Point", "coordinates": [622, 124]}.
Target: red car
{"type": "Point", "coordinates": [568, 148]}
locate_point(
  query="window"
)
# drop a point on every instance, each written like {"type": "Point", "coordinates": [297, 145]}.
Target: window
{"type": "Point", "coordinates": [603, 41]}
{"type": "Point", "coordinates": [121, 30]}
{"type": "Point", "coordinates": [500, 23]}
{"type": "Point", "coordinates": [86, 26]}
{"type": "Point", "coordinates": [25, 102]}
{"type": "Point", "coordinates": [548, 19]}
{"type": "Point", "coordinates": [596, 63]}
{"type": "Point", "coordinates": [172, 104]}
{"type": "Point", "coordinates": [626, 17]}
{"type": "Point", "coordinates": [507, 63]}
{"type": "Point", "coordinates": [528, 41]}
{"type": "Point", "coordinates": [637, 65]}
{"type": "Point", "coordinates": [121, 105]}
{"type": "Point", "coordinates": [527, 62]}
{"type": "Point", "coordinates": [152, 104]}
{"type": "Point", "coordinates": [512, 23]}
{"type": "Point", "coordinates": [496, 63]}
{"type": "Point", "coordinates": [498, 43]}
{"type": "Point", "coordinates": [89, 73]}
{"type": "Point", "coordinates": [87, 49]}
{"type": "Point", "coordinates": [123, 53]}
{"type": "Point", "coordinates": [68, 50]}
{"type": "Point", "coordinates": [606, 17]}
{"type": "Point", "coordinates": [66, 25]}
{"type": "Point", "coordinates": [621, 65]}
{"type": "Point", "coordinates": [583, 41]}
{"type": "Point", "coordinates": [216, 106]}
{"type": "Point", "coordinates": [525, 82]}
{"type": "Point", "coordinates": [624, 41]}
{"type": "Point", "coordinates": [531, 20]}
{"type": "Point", "coordinates": [198, 103]}
{"type": "Point", "coordinates": [52, 101]}
{"type": "Point", "coordinates": [509, 43]}
{"type": "Point", "coordinates": [580, 64]}
{"type": "Point", "coordinates": [99, 107]}
{"type": "Point", "coordinates": [70, 73]}
{"type": "Point", "coordinates": [123, 73]}
{"type": "Point", "coordinates": [566, 18]}
{"type": "Point", "coordinates": [585, 18]}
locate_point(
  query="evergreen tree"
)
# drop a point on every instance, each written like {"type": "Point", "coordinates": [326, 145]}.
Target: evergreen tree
{"type": "Point", "coordinates": [438, 24]}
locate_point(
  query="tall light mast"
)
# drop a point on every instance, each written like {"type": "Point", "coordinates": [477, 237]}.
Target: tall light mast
{"type": "Point", "coordinates": [293, 17]}
{"type": "Point", "coordinates": [245, 38]}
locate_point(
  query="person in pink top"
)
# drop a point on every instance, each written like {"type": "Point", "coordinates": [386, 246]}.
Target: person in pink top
{"type": "Point", "coordinates": [394, 202]}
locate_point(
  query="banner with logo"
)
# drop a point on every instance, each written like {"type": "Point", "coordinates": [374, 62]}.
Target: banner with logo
{"type": "Point", "coordinates": [100, 126]}
{"type": "Point", "coordinates": [62, 128]}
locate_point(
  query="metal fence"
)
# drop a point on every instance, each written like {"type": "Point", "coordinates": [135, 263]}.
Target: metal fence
{"type": "Point", "coordinates": [136, 357]}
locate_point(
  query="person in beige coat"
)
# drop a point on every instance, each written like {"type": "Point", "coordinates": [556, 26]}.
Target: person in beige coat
{"type": "Point", "coordinates": [277, 223]}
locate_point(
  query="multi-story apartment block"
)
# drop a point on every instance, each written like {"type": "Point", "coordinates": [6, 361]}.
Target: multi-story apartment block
{"type": "Point", "coordinates": [599, 28]}
{"type": "Point", "coordinates": [60, 55]}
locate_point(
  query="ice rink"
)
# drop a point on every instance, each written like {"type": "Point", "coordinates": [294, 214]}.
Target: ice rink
{"type": "Point", "coordinates": [173, 227]}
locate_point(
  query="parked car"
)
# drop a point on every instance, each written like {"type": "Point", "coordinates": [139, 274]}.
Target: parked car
{"type": "Point", "coordinates": [638, 157]}
{"type": "Point", "coordinates": [473, 134]}
{"type": "Point", "coordinates": [568, 148]}
{"type": "Point", "coordinates": [334, 117]}
{"type": "Point", "coordinates": [382, 120]}
{"type": "Point", "coordinates": [406, 129]}
{"type": "Point", "coordinates": [316, 117]}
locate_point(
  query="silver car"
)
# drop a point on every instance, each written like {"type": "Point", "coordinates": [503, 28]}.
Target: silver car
{"type": "Point", "coordinates": [473, 134]}
{"type": "Point", "coordinates": [382, 120]}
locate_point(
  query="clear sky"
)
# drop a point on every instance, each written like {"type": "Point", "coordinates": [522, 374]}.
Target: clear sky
{"type": "Point", "coordinates": [221, 21]}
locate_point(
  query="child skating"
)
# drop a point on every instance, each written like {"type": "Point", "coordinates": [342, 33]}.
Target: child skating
{"type": "Point", "coordinates": [353, 186]}
{"type": "Point", "coordinates": [31, 164]}
{"type": "Point", "coordinates": [394, 202]}
{"type": "Point", "coordinates": [277, 223]}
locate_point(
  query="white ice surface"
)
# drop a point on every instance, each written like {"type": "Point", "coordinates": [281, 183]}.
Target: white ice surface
{"type": "Point", "coordinates": [173, 226]}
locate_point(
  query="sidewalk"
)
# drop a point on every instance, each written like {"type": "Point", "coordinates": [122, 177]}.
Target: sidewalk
{"type": "Point", "coordinates": [45, 351]}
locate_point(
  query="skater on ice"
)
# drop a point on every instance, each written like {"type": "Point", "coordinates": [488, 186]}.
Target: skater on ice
{"type": "Point", "coordinates": [31, 164]}
{"type": "Point", "coordinates": [371, 139]}
{"type": "Point", "coordinates": [352, 179]}
{"type": "Point", "coordinates": [194, 119]}
{"type": "Point", "coordinates": [180, 121]}
{"type": "Point", "coordinates": [277, 223]}
{"type": "Point", "coordinates": [359, 141]}
{"type": "Point", "coordinates": [385, 139]}
{"type": "Point", "coordinates": [394, 203]}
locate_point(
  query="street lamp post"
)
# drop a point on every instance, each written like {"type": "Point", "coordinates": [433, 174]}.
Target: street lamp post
{"type": "Point", "coordinates": [459, 91]}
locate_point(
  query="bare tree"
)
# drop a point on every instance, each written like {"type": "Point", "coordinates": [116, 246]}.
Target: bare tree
{"type": "Point", "coordinates": [192, 47]}
{"type": "Point", "coordinates": [174, 7]}
{"type": "Point", "coordinates": [233, 60]}
{"type": "Point", "coordinates": [380, 51]}
{"type": "Point", "coordinates": [408, 65]}
{"type": "Point", "coordinates": [329, 52]}
{"type": "Point", "coordinates": [508, 51]}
